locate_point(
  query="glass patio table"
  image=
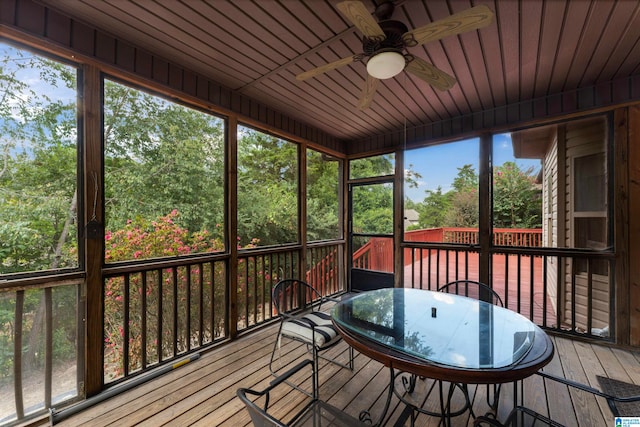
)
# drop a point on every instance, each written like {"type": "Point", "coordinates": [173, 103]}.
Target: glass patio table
{"type": "Point", "coordinates": [442, 336]}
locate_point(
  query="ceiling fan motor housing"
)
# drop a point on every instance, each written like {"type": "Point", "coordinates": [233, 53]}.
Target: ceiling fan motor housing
{"type": "Point", "coordinates": [393, 30]}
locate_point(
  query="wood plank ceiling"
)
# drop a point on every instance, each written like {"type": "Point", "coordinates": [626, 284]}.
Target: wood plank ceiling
{"type": "Point", "coordinates": [532, 49]}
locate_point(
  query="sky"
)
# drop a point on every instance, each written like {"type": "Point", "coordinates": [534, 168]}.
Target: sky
{"type": "Point", "coordinates": [439, 164]}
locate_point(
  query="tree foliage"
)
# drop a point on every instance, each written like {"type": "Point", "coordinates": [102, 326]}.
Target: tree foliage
{"type": "Point", "coordinates": [38, 169]}
{"type": "Point", "coordinates": [161, 156]}
{"type": "Point", "coordinates": [267, 188]}
{"type": "Point", "coordinates": [516, 200]}
{"type": "Point", "coordinates": [323, 205]}
{"type": "Point", "coordinates": [372, 204]}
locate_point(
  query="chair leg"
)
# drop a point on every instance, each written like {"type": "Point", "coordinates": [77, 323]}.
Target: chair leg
{"type": "Point", "coordinates": [316, 374]}
{"type": "Point", "coordinates": [351, 358]}
{"type": "Point", "coordinates": [275, 348]}
{"type": "Point", "coordinates": [314, 392]}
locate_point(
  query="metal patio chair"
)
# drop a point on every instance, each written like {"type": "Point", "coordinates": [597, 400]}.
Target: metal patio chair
{"type": "Point", "coordinates": [476, 290]}
{"type": "Point", "coordinates": [472, 289]}
{"type": "Point", "coordinates": [616, 399]}
{"type": "Point", "coordinates": [315, 412]}
{"type": "Point", "coordinates": [480, 291]}
{"type": "Point", "coordinates": [299, 306]}
{"type": "Point", "coordinates": [522, 416]}
{"type": "Point", "coordinates": [518, 417]}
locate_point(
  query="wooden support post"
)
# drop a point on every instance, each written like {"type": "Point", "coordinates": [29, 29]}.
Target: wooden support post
{"type": "Point", "coordinates": [485, 221]}
{"type": "Point", "coordinates": [93, 230]}
{"type": "Point", "coordinates": [232, 226]}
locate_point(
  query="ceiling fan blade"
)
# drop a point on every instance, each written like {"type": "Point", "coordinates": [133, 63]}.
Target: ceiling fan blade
{"type": "Point", "coordinates": [368, 92]}
{"type": "Point", "coordinates": [470, 19]}
{"type": "Point", "coordinates": [357, 13]}
{"type": "Point", "coordinates": [430, 74]}
{"type": "Point", "coordinates": [326, 67]}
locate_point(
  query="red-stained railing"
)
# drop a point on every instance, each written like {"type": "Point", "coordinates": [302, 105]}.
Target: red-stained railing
{"type": "Point", "coordinates": [529, 237]}
{"type": "Point", "coordinates": [323, 268]}
{"type": "Point", "coordinates": [377, 253]}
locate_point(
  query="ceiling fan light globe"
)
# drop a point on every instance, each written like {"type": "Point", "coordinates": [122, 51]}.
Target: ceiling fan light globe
{"type": "Point", "coordinates": [385, 65]}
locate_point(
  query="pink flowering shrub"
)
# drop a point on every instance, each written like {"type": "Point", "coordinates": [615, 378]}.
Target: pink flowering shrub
{"type": "Point", "coordinates": [178, 290]}
{"type": "Point", "coordinates": [141, 239]}
{"type": "Point", "coordinates": [164, 308]}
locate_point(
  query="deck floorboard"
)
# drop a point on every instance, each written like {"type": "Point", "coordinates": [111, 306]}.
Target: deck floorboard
{"type": "Point", "coordinates": [202, 392]}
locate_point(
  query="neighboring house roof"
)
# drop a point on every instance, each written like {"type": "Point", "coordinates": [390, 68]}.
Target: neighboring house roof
{"type": "Point", "coordinates": [411, 217]}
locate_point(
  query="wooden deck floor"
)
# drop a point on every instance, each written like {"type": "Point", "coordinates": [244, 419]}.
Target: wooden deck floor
{"type": "Point", "coordinates": [522, 292]}
{"type": "Point", "coordinates": [202, 393]}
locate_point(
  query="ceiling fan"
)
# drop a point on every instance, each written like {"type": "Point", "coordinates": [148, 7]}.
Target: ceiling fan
{"type": "Point", "coordinates": [385, 43]}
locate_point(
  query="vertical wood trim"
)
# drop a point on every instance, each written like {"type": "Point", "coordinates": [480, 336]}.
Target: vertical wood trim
{"type": "Point", "coordinates": [621, 288]}
{"type": "Point", "coordinates": [48, 361]}
{"type": "Point", "coordinates": [633, 232]}
{"type": "Point", "coordinates": [93, 190]}
{"type": "Point", "coordinates": [561, 201]}
{"type": "Point", "coordinates": [17, 354]}
{"type": "Point", "coordinates": [302, 207]}
{"type": "Point", "coordinates": [232, 225]}
{"type": "Point", "coordinates": [346, 222]}
{"type": "Point", "coordinates": [342, 194]}
{"type": "Point", "coordinates": [398, 220]}
{"type": "Point", "coordinates": [485, 229]}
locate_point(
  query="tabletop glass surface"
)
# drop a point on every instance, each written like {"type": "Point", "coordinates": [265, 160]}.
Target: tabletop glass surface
{"type": "Point", "coordinates": [438, 327]}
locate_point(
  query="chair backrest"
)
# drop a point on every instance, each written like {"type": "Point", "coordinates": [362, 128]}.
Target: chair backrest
{"type": "Point", "coordinates": [258, 402]}
{"type": "Point", "coordinates": [622, 396]}
{"type": "Point", "coordinates": [291, 295]}
{"type": "Point", "coordinates": [259, 416]}
{"type": "Point", "coordinates": [472, 289]}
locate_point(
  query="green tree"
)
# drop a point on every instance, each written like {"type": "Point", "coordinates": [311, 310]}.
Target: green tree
{"type": "Point", "coordinates": [323, 205]}
{"type": "Point", "coordinates": [372, 204]}
{"type": "Point", "coordinates": [38, 171]}
{"type": "Point", "coordinates": [161, 156]}
{"type": "Point", "coordinates": [463, 211]}
{"type": "Point", "coordinates": [463, 208]}
{"type": "Point", "coordinates": [371, 166]}
{"type": "Point", "coordinates": [517, 201]}
{"type": "Point", "coordinates": [434, 209]}
{"type": "Point", "coordinates": [267, 188]}
{"type": "Point", "coordinates": [38, 196]}
{"type": "Point", "coordinates": [466, 180]}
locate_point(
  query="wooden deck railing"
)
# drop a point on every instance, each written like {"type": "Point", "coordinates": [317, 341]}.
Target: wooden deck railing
{"type": "Point", "coordinates": [564, 289]}
{"type": "Point", "coordinates": [41, 342]}
{"type": "Point", "coordinates": [156, 314]}
{"type": "Point", "coordinates": [557, 288]}
{"type": "Point", "coordinates": [324, 267]}
{"type": "Point", "coordinates": [377, 253]}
